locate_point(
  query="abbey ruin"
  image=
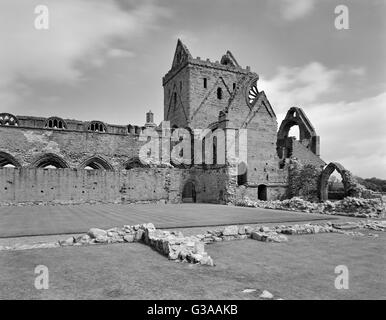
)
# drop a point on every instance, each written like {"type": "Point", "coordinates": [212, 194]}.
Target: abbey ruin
{"type": "Point", "coordinates": [70, 161]}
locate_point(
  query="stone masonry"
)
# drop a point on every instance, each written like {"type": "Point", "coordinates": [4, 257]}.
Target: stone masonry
{"type": "Point", "coordinates": [54, 159]}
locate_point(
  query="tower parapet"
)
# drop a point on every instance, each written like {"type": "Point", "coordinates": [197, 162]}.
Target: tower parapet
{"type": "Point", "coordinates": [150, 120]}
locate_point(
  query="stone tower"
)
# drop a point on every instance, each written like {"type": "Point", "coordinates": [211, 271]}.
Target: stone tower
{"type": "Point", "coordinates": [222, 94]}
{"type": "Point", "coordinates": [150, 120]}
{"type": "Point", "coordinates": [196, 91]}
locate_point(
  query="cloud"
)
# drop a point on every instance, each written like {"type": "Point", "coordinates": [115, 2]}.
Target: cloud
{"type": "Point", "coordinates": [299, 85]}
{"type": "Point", "coordinates": [295, 9]}
{"type": "Point", "coordinates": [82, 33]}
{"type": "Point", "coordinates": [352, 132]}
{"type": "Point", "coordinates": [120, 53]}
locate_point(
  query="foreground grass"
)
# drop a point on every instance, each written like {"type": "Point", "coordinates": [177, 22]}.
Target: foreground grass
{"type": "Point", "coordinates": [303, 268]}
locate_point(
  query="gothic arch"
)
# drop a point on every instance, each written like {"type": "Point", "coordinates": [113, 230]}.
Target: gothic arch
{"type": "Point", "coordinates": [307, 134]}
{"type": "Point", "coordinates": [96, 162]}
{"type": "Point", "coordinates": [347, 179]}
{"type": "Point", "coordinates": [295, 116]}
{"type": "Point", "coordinates": [7, 159]}
{"type": "Point", "coordinates": [96, 126]}
{"type": "Point", "coordinates": [49, 159]}
{"type": "Point", "coordinates": [55, 123]}
{"type": "Point", "coordinates": [7, 119]}
{"type": "Point", "coordinates": [189, 192]}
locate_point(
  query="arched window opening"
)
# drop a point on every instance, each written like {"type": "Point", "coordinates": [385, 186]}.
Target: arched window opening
{"type": "Point", "coordinates": [96, 126]}
{"type": "Point", "coordinates": [55, 123]}
{"type": "Point", "coordinates": [213, 150]}
{"type": "Point", "coordinates": [219, 93]}
{"type": "Point", "coordinates": [49, 161]}
{"type": "Point", "coordinates": [96, 163]}
{"type": "Point", "coordinates": [7, 119]}
{"type": "Point", "coordinates": [294, 132]}
{"type": "Point", "coordinates": [8, 161]}
{"type": "Point", "coordinates": [205, 83]}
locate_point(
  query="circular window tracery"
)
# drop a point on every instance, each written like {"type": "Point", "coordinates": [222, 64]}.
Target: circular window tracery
{"type": "Point", "coordinates": [252, 93]}
{"type": "Point", "coordinates": [7, 119]}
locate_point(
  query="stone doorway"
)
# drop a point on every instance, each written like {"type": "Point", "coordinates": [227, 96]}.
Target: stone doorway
{"type": "Point", "coordinates": [189, 193]}
{"type": "Point", "coordinates": [348, 182]}
{"type": "Point", "coordinates": [262, 192]}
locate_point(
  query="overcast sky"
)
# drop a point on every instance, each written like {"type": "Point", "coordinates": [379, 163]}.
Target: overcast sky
{"type": "Point", "coordinates": [104, 60]}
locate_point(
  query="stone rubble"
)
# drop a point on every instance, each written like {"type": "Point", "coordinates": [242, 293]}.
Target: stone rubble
{"type": "Point", "coordinates": [177, 247]}
{"type": "Point", "coordinates": [266, 295]}
{"type": "Point", "coordinates": [171, 244]}
{"type": "Point", "coordinates": [270, 236]}
{"type": "Point", "coordinates": [349, 206]}
{"type": "Point", "coordinates": [278, 233]}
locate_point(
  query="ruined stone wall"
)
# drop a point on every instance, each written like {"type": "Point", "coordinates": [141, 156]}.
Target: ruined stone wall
{"type": "Point", "coordinates": [263, 162]}
{"type": "Point", "coordinates": [211, 184]}
{"type": "Point", "coordinates": [26, 145]}
{"type": "Point", "coordinates": [274, 192]}
{"type": "Point", "coordinates": [305, 155]}
{"type": "Point", "coordinates": [71, 124]}
{"type": "Point", "coordinates": [79, 186]}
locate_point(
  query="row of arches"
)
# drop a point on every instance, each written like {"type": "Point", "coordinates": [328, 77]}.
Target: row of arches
{"type": "Point", "coordinates": [7, 119]}
{"type": "Point", "coordinates": [53, 161]}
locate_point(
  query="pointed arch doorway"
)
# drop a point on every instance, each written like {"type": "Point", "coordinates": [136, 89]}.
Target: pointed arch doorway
{"type": "Point", "coordinates": [189, 193]}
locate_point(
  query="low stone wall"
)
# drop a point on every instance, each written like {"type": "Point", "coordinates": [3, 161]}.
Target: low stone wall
{"type": "Point", "coordinates": [278, 233]}
{"type": "Point", "coordinates": [191, 249]}
{"type": "Point", "coordinates": [354, 207]}
{"type": "Point", "coordinates": [171, 244]}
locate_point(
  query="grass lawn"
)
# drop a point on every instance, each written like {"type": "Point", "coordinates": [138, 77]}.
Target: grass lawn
{"type": "Point", "coordinates": [303, 268]}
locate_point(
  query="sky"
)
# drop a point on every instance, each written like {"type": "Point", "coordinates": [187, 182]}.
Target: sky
{"type": "Point", "coordinates": [104, 60]}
